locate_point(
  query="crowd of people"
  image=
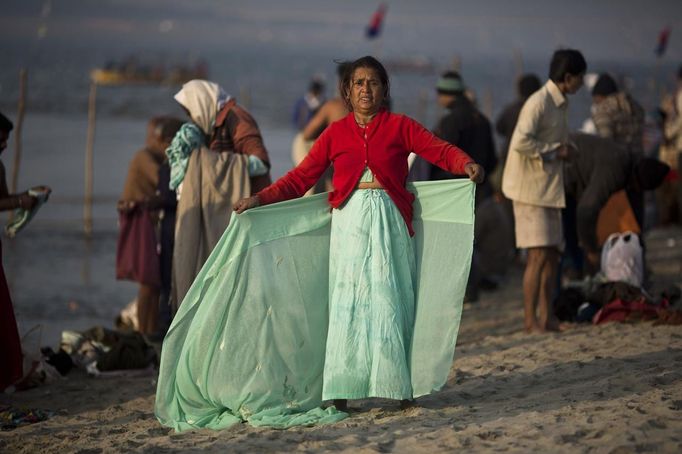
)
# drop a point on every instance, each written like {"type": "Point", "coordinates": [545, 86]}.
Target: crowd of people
{"type": "Point", "coordinates": [545, 188]}
{"type": "Point", "coordinates": [542, 193]}
{"type": "Point", "coordinates": [178, 197]}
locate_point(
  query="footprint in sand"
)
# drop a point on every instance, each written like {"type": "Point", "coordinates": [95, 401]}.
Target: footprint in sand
{"type": "Point", "coordinates": [133, 444]}
{"type": "Point", "coordinates": [571, 438]}
{"type": "Point", "coordinates": [653, 424]}
{"type": "Point", "coordinates": [490, 435]}
{"type": "Point", "coordinates": [158, 432]}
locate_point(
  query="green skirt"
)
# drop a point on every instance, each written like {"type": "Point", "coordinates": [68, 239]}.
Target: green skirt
{"type": "Point", "coordinates": [371, 300]}
{"type": "Point", "coordinates": [249, 342]}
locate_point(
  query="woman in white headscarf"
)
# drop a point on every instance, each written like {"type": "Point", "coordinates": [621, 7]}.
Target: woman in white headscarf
{"type": "Point", "coordinates": [215, 161]}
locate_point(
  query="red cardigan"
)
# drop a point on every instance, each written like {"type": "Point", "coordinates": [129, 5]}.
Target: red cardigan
{"type": "Point", "coordinates": [383, 146]}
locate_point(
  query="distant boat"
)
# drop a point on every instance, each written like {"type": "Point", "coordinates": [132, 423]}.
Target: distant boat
{"type": "Point", "coordinates": [418, 64]}
{"type": "Point", "coordinates": [130, 72]}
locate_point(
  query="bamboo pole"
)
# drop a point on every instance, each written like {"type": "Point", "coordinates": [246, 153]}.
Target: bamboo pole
{"type": "Point", "coordinates": [23, 75]}
{"type": "Point", "coordinates": [89, 146]}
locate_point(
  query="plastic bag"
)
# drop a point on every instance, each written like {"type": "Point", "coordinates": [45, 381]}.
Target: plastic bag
{"type": "Point", "coordinates": [621, 258]}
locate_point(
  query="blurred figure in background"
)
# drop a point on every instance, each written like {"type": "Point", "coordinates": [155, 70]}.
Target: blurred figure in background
{"type": "Point", "coordinates": [494, 247]}
{"type": "Point", "coordinates": [166, 241]}
{"type": "Point", "coordinates": [464, 126]}
{"type": "Point", "coordinates": [669, 196]}
{"type": "Point", "coordinates": [140, 211]}
{"type": "Point", "coordinates": [307, 105]}
{"type": "Point", "coordinates": [10, 344]}
{"type": "Point", "coordinates": [526, 85]}
{"type": "Point", "coordinates": [215, 161]}
{"type": "Point", "coordinates": [332, 110]}
{"type": "Point", "coordinates": [533, 179]}
{"type": "Point", "coordinates": [617, 115]}
{"type": "Point", "coordinates": [600, 168]}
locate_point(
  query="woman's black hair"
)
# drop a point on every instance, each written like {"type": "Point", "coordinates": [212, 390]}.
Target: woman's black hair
{"type": "Point", "coordinates": [566, 61]}
{"type": "Point", "coordinates": [364, 62]}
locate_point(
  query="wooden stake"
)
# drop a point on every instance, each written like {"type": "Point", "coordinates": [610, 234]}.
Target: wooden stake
{"type": "Point", "coordinates": [89, 146]}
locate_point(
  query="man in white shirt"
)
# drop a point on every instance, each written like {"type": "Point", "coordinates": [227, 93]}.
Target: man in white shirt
{"type": "Point", "coordinates": [533, 180]}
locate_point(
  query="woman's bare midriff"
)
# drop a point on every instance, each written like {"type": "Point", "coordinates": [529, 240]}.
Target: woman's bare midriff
{"type": "Point", "coordinates": [369, 185]}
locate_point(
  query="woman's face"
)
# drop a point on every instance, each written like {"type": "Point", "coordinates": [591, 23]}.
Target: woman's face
{"type": "Point", "coordinates": [366, 91]}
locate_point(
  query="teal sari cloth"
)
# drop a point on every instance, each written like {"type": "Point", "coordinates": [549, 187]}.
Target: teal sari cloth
{"type": "Point", "coordinates": [248, 341]}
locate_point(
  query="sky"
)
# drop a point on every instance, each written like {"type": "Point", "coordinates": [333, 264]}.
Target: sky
{"type": "Point", "coordinates": [614, 30]}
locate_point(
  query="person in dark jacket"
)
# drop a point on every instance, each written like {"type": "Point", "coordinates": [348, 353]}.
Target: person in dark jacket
{"type": "Point", "coordinates": [464, 126]}
{"type": "Point", "coordinates": [600, 168]}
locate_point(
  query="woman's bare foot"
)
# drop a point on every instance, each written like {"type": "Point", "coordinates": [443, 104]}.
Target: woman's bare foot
{"type": "Point", "coordinates": [341, 405]}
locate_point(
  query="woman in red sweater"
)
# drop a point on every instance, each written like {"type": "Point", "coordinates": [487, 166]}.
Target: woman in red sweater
{"type": "Point", "coordinates": [372, 262]}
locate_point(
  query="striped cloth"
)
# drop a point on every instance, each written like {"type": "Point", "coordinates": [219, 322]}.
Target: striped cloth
{"type": "Point", "coordinates": [187, 139]}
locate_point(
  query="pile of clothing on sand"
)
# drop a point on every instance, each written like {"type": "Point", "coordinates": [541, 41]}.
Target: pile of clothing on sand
{"type": "Point", "coordinates": [617, 292]}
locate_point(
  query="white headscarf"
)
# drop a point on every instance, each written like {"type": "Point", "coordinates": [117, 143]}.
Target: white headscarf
{"type": "Point", "coordinates": [203, 100]}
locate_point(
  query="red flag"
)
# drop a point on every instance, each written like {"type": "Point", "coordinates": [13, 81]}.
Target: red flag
{"type": "Point", "coordinates": [374, 27]}
{"type": "Point", "coordinates": [662, 41]}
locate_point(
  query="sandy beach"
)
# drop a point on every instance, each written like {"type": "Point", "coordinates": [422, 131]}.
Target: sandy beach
{"type": "Point", "coordinates": [613, 388]}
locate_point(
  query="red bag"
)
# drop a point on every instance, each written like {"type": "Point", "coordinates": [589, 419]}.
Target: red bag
{"type": "Point", "coordinates": [620, 311]}
{"type": "Point", "coordinates": [137, 258]}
